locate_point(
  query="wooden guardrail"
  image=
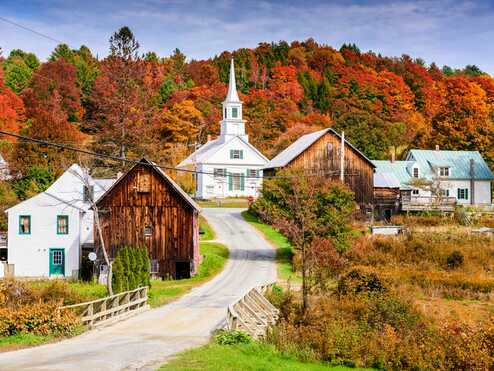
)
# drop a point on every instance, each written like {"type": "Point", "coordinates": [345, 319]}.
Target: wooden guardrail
{"type": "Point", "coordinates": [252, 313]}
{"type": "Point", "coordinates": [112, 308]}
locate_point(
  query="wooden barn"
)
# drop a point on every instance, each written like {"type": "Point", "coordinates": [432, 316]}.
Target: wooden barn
{"type": "Point", "coordinates": [320, 153]}
{"type": "Point", "coordinates": [145, 207]}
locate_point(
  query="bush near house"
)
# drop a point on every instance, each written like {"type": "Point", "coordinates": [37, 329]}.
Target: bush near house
{"type": "Point", "coordinates": [131, 269]}
{"type": "Point", "coordinates": [27, 311]}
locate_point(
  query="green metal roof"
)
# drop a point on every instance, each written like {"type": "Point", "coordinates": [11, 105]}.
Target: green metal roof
{"type": "Point", "coordinates": [398, 168]}
{"type": "Point", "coordinates": [457, 161]}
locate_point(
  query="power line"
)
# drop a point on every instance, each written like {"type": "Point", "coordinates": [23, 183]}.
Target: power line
{"type": "Point", "coordinates": [31, 30]}
{"type": "Point", "coordinates": [317, 172]}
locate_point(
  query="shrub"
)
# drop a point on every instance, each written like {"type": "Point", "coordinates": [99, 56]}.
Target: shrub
{"type": "Point", "coordinates": [455, 260]}
{"type": "Point", "coordinates": [131, 269]}
{"type": "Point", "coordinates": [360, 282]}
{"type": "Point", "coordinates": [39, 319]}
{"type": "Point", "coordinates": [224, 337]}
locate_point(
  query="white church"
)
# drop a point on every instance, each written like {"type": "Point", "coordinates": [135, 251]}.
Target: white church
{"type": "Point", "coordinates": [228, 166]}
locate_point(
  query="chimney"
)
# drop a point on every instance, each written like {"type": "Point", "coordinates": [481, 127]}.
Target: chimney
{"type": "Point", "coordinates": [209, 138]}
{"type": "Point", "coordinates": [393, 155]}
{"type": "Point", "coordinates": [437, 147]}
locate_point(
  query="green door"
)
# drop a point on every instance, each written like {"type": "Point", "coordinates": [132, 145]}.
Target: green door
{"type": "Point", "coordinates": [57, 262]}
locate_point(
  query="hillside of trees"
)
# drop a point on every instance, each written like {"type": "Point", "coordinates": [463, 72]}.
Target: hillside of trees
{"type": "Point", "coordinates": [129, 104]}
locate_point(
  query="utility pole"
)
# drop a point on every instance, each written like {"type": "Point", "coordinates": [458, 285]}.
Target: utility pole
{"type": "Point", "coordinates": [342, 157]}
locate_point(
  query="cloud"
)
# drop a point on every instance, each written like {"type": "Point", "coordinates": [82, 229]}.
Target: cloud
{"type": "Point", "coordinates": [447, 32]}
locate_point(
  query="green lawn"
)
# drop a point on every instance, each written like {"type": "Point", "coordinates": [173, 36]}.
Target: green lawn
{"type": "Point", "coordinates": [214, 256]}
{"type": "Point", "coordinates": [20, 341]}
{"type": "Point", "coordinates": [206, 228]}
{"type": "Point", "coordinates": [245, 357]}
{"type": "Point", "coordinates": [225, 202]}
{"type": "Point", "coordinates": [284, 250]}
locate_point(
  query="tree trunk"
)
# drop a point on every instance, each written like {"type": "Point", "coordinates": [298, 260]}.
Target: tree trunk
{"type": "Point", "coordinates": [105, 254]}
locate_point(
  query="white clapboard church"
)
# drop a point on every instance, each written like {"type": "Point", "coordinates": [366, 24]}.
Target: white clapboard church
{"type": "Point", "coordinates": [228, 166]}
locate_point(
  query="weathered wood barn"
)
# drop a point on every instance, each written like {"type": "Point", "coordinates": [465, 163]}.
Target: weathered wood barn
{"type": "Point", "coordinates": [145, 207]}
{"type": "Point", "coordinates": [320, 153]}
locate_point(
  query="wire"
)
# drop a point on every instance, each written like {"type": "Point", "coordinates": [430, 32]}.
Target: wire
{"type": "Point", "coordinates": [31, 30]}
{"type": "Point", "coordinates": [316, 172]}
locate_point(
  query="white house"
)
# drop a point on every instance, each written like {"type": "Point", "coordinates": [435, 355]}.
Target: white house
{"type": "Point", "coordinates": [462, 177]}
{"type": "Point", "coordinates": [228, 166]}
{"type": "Point", "coordinates": [46, 233]}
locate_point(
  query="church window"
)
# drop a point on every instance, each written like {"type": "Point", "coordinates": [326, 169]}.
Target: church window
{"type": "Point", "coordinates": [236, 154]}
{"type": "Point", "coordinates": [219, 172]}
{"type": "Point", "coordinates": [234, 112]}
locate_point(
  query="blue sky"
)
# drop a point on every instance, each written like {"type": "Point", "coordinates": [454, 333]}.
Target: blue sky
{"type": "Point", "coordinates": [449, 32]}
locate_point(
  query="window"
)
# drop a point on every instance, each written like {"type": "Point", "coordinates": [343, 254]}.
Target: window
{"type": "Point", "coordinates": [252, 173]}
{"type": "Point", "coordinates": [62, 224]}
{"type": "Point", "coordinates": [415, 192]}
{"type": "Point", "coordinates": [88, 193]}
{"type": "Point", "coordinates": [236, 154]}
{"type": "Point", "coordinates": [25, 224]}
{"type": "Point", "coordinates": [234, 112]}
{"type": "Point", "coordinates": [148, 230]}
{"type": "Point", "coordinates": [444, 192]}
{"type": "Point", "coordinates": [462, 193]}
{"type": "Point", "coordinates": [329, 150]}
{"type": "Point", "coordinates": [236, 182]}
{"type": "Point", "coordinates": [57, 257]}
{"type": "Point", "coordinates": [143, 182]}
{"type": "Point", "coordinates": [225, 113]}
{"type": "Point", "coordinates": [219, 172]}
{"type": "Point", "coordinates": [444, 171]}
{"type": "Point", "coordinates": [415, 172]}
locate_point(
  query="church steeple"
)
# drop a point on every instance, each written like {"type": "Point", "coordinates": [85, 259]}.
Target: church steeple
{"type": "Point", "coordinates": [232, 95]}
{"type": "Point", "coordinates": [232, 124]}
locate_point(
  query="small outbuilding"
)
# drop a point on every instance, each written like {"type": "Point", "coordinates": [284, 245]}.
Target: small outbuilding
{"type": "Point", "coordinates": [145, 207]}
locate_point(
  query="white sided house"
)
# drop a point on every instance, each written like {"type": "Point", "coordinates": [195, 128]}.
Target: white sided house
{"type": "Point", "coordinates": [458, 178]}
{"type": "Point", "coordinates": [47, 233]}
{"type": "Point", "coordinates": [228, 166]}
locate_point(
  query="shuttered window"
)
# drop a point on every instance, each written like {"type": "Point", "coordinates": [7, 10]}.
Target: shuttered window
{"type": "Point", "coordinates": [236, 154]}
{"type": "Point", "coordinates": [462, 193]}
{"type": "Point", "coordinates": [25, 224]}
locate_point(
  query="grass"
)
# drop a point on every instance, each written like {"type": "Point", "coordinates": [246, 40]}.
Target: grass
{"type": "Point", "coordinates": [208, 232]}
{"type": "Point", "coordinates": [225, 202]}
{"type": "Point", "coordinates": [19, 341]}
{"type": "Point", "coordinates": [214, 257]}
{"type": "Point", "coordinates": [253, 356]}
{"type": "Point", "coordinates": [85, 291]}
{"type": "Point", "coordinates": [284, 250]}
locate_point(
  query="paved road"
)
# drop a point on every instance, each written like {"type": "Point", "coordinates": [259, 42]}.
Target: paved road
{"type": "Point", "coordinates": [145, 341]}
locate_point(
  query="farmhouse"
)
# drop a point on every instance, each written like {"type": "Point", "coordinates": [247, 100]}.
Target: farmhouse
{"type": "Point", "coordinates": [435, 179]}
{"type": "Point", "coordinates": [49, 233]}
{"type": "Point", "coordinates": [320, 153]}
{"type": "Point", "coordinates": [228, 166]}
{"type": "Point", "coordinates": [145, 207]}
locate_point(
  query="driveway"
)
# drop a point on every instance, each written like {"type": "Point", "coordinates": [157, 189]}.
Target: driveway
{"type": "Point", "coordinates": [145, 341]}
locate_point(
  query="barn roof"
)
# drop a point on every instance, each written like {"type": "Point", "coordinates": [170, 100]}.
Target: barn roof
{"type": "Point", "coordinates": [163, 175]}
{"type": "Point", "coordinates": [301, 144]}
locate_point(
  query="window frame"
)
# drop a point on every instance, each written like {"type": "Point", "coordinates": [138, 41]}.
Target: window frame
{"type": "Point", "coordinates": [219, 172]}
{"type": "Point", "coordinates": [239, 152]}
{"type": "Point", "coordinates": [462, 194]}
{"type": "Point", "coordinates": [234, 112]}
{"type": "Point", "coordinates": [20, 224]}
{"type": "Point", "coordinates": [444, 171]}
{"type": "Point", "coordinates": [415, 170]}
{"type": "Point", "coordinates": [59, 218]}
{"type": "Point", "coordinates": [252, 173]}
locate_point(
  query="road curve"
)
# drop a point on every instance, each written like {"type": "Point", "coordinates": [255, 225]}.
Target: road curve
{"type": "Point", "coordinates": [145, 341]}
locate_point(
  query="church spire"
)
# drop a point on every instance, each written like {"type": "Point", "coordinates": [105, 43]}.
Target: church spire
{"type": "Point", "coordinates": [232, 95]}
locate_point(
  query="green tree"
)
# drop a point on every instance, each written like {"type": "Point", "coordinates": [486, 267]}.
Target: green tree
{"type": "Point", "coordinates": [124, 45]}
{"type": "Point", "coordinates": [313, 212]}
{"type": "Point", "coordinates": [18, 68]}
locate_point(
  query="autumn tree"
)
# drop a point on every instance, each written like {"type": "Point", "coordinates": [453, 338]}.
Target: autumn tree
{"type": "Point", "coordinates": [307, 209]}
{"type": "Point", "coordinates": [18, 68]}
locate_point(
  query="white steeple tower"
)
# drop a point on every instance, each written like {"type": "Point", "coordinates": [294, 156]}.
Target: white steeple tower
{"type": "Point", "coordinates": [232, 124]}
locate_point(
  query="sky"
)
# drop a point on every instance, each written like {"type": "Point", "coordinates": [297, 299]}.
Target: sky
{"type": "Point", "coordinates": [454, 33]}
